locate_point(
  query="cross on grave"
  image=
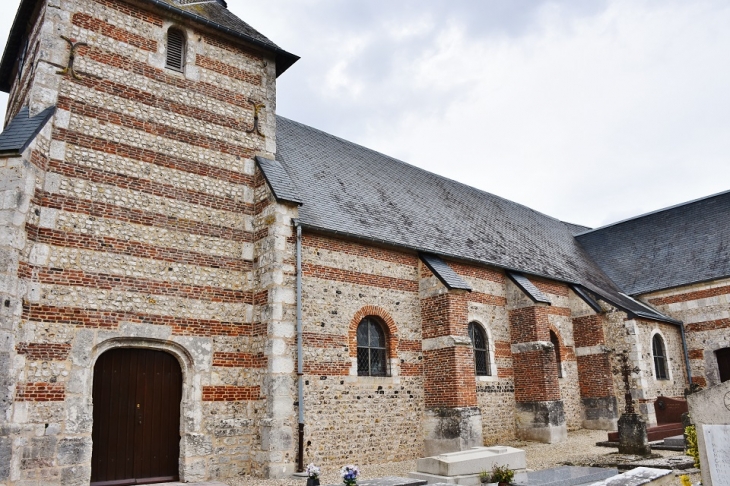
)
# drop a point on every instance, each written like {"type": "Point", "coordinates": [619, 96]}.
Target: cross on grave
{"type": "Point", "coordinates": [626, 371]}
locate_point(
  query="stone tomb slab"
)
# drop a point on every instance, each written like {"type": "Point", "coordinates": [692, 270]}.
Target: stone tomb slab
{"type": "Point", "coordinates": [564, 476]}
{"type": "Point", "coordinates": [390, 481]}
{"type": "Point", "coordinates": [472, 461]}
{"type": "Point", "coordinates": [717, 445]}
{"type": "Point", "coordinates": [639, 477]}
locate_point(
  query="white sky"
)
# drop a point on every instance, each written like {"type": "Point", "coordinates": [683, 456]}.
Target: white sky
{"type": "Point", "coordinates": [589, 111]}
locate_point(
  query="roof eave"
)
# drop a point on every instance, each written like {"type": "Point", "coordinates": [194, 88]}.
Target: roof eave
{"type": "Point", "coordinates": [284, 59]}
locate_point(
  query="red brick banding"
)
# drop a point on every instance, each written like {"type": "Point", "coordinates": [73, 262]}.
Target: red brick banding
{"type": "Point", "coordinates": [44, 351]}
{"type": "Point", "coordinates": [150, 99]}
{"type": "Point", "coordinates": [122, 283]}
{"type": "Point", "coordinates": [507, 373]}
{"type": "Point", "coordinates": [696, 354]}
{"type": "Point", "coordinates": [40, 392]}
{"type": "Point", "coordinates": [150, 157]}
{"type": "Point", "coordinates": [327, 368]}
{"type": "Point", "coordinates": [139, 68]}
{"type": "Point", "coordinates": [137, 216]}
{"type": "Point", "coordinates": [449, 378]}
{"type": "Point", "coordinates": [149, 187]}
{"type": "Point", "coordinates": [482, 273]}
{"type": "Point", "coordinates": [411, 369]}
{"type": "Point", "coordinates": [445, 315]}
{"type": "Point", "coordinates": [689, 296]}
{"type": "Point", "coordinates": [231, 393]}
{"type": "Point", "coordinates": [384, 318]}
{"type": "Point", "coordinates": [536, 379]}
{"type": "Point", "coordinates": [413, 346]}
{"type": "Point", "coordinates": [231, 47]}
{"type": "Point", "coordinates": [708, 325]}
{"type": "Point", "coordinates": [106, 29]}
{"type": "Point", "coordinates": [227, 70]}
{"type": "Point", "coordinates": [96, 319]}
{"type": "Point", "coordinates": [488, 299]}
{"type": "Point", "coordinates": [559, 311]}
{"type": "Point", "coordinates": [132, 11]}
{"type": "Point", "coordinates": [151, 128]}
{"type": "Point", "coordinates": [502, 349]}
{"type": "Point", "coordinates": [240, 360]}
{"type": "Point", "coordinates": [358, 278]}
{"type": "Point", "coordinates": [551, 287]}
{"type": "Point", "coordinates": [699, 380]}
{"type": "Point", "coordinates": [529, 324]}
{"type": "Point", "coordinates": [588, 331]}
{"type": "Point", "coordinates": [595, 377]}
{"type": "Point", "coordinates": [132, 248]}
{"type": "Point", "coordinates": [316, 241]}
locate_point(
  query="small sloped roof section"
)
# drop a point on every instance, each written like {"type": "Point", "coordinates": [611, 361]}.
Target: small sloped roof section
{"type": "Point", "coordinates": [676, 246]}
{"type": "Point", "coordinates": [279, 181]}
{"type": "Point", "coordinates": [354, 191]}
{"type": "Point", "coordinates": [21, 131]}
{"type": "Point", "coordinates": [211, 13]}
{"type": "Point", "coordinates": [444, 272]}
{"type": "Point", "coordinates": [529, 288]}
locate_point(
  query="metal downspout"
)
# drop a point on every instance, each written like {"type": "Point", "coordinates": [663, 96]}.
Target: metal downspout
{"type": "Point", "coordinates": [300, 355]}
{"type": "Point", "coordinates": [686, 355]}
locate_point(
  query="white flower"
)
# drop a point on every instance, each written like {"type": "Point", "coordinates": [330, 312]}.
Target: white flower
{"type": "Point", "coordinates": [313, 471]}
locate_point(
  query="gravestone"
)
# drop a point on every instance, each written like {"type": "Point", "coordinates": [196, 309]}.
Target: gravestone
{"type": "Point", "coordinates": [710, 412]}
{"type": "Point", "coordinates": [669, 410]}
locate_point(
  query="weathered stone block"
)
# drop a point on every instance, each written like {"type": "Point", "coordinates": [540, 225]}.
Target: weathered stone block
{"type": "Point", "coordinates": [541, 421]}
{"type": "Point", "coordinates": [452, 429]}
{"type": "Point", "coordinates": [632, 435]}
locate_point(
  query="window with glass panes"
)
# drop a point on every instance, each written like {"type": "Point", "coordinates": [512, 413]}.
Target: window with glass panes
{"type": "Point", "coordinates": [372, 359]}
{"type": "Point", "coordinates": [660, 358]}
{"type": "Point", "coordinates": [480, 343]}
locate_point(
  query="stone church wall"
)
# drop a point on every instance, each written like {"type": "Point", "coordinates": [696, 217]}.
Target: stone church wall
{"type": "Point", "coordinates": [705, 310]}
{"type": "Point", "coordinates": [351, 418]}
{"type": "Point", "coordinates": [143, 230]}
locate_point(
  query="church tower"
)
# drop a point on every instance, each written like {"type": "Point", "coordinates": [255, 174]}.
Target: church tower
{"type": "Point", "coordinates": [141, 269]}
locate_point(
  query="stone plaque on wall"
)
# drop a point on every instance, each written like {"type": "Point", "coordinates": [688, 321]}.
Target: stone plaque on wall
{"type": "Point", "coordinates": [717, 444]}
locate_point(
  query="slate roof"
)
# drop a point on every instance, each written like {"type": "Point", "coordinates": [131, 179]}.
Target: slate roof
{"type": "Point", "coordinates": [676, 246]}
{"type": "Point", "coordinates": [279, 181]}
{"type": "Point", "coordinates": [350, 190]}
{"type": "Point", "coordinates": [214, 14]}
{"type": "Point", "coordinates": [444, 272]}
{"type": "Point", "coordinates": [21, 131]}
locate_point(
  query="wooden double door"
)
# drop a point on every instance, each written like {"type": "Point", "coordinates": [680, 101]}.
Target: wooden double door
{"type": "Point", "coordinates": [136, 430]}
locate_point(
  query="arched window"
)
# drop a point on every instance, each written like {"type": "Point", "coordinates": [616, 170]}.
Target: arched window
{"type": "Point", "coordinates": [175, 50]}
{"type": "Point", "coordinates": [372, 356]}
{"type": "Point", "coordinates": [660, 358]}
{"type": "Point", "coordinates": [480, 343]}
{"type": "Point", "coordinates": [556, 347]}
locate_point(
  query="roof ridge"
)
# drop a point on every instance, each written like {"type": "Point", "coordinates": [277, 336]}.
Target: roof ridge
{"type": "Point", "coordinates": [421, 169]}
{"type": "Point", "coordinates": [656, 211]}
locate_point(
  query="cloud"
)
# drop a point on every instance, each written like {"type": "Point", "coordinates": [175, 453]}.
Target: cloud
{"type": "Point", "coordinates": [587, 111]}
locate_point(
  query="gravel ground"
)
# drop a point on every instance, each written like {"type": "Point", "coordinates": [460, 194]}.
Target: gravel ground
{"type": "Point", "coordinates": [579, 449]}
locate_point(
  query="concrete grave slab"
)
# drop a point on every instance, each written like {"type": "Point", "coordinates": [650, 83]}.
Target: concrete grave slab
{"type": "Point", "coordinates": [472, 461]}
{"type": "Point", "coordinates": [390, 481]}
{"type": "Point", "coordinates": [710, 412]}
{"type": "Point", "coordinates": [639, 477]}
{"type": "Point", "coordinates": [564, 476]}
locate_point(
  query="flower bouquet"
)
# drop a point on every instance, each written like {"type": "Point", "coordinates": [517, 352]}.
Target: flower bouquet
{"type": "Point", "coordinates": [313, 473]}
{"type": "Point", "coordinates": [349, 475]}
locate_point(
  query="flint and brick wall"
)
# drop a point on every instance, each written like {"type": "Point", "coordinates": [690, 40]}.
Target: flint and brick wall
{"type": "Point", "coordinates": [705, 311]}
{"type": "Point", "coordinates": [350, 418]}
{"type": "Point", "coordinates": [143, 227]}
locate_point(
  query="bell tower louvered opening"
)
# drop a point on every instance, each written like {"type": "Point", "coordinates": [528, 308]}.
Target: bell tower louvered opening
{"type": "Point", "coordinates": [175, 50]}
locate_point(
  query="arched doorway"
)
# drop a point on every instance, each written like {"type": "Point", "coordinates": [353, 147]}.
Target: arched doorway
{"type": "Point", "coordinates": [136, 430]}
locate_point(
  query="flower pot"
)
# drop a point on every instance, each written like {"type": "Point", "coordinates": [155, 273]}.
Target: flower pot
{"type": "Point", "coordinates": [312, 481]}
{"type": "Point", "coordinates": [503, 484]}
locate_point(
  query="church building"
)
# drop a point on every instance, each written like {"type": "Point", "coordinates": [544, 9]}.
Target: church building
{"type": "Point", "coordinates": [193, 288]}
